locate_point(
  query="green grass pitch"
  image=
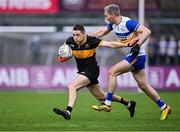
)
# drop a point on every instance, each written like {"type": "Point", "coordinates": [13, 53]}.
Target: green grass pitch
{"type": "Point", "coordinates": [32, 111]}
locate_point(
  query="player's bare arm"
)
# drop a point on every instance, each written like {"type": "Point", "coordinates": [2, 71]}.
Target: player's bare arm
{"type": "Point", "coordinates": [101, 32]}
{"type": "Point", "coordinates": [145, 33]}
{"type": "Point", "coordinates": [113, 44]}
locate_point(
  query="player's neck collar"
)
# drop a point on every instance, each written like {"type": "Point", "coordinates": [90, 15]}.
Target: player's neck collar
{"type": "Point", "coordinates": [119, 20]}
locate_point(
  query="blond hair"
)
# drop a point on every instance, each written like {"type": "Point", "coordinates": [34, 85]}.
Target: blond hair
{"type": "Point", "coordinates": [112, 9]}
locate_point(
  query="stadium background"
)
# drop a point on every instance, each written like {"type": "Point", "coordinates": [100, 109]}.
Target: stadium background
{"type": "Point", "coordinates": [32, 30]}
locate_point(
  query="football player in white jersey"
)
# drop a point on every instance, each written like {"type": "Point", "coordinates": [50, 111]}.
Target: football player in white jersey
{"type": "Point", "coordinates": [128, 30]}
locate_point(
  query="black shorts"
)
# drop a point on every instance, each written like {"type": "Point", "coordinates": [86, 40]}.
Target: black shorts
{"type": "Point", "coordinates": [92, 73]}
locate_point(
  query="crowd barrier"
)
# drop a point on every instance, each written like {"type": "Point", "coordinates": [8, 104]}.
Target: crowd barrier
{"type": "Point", "coordinates": [59, 76]}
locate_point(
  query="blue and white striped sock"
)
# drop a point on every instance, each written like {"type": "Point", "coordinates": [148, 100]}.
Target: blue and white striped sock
{"type": "Point", "coordinates": [109, 98]}
{"type": "Point", "coordinates": [161, 104]}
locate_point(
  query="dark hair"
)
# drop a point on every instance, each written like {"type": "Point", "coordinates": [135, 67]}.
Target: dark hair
{"type": "Point", "coordinates": [79, 27]}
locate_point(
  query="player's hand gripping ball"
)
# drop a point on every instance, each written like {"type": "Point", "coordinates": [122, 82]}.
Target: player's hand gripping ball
{"type": "Point", "coordinates": [65, 51]}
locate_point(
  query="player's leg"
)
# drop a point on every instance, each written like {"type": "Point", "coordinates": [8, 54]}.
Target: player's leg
{"type": "Point", "coordinates": [119, 68]}
{"type": "Point", "coordinates": [100, 95]}
{"type": "Point", "coordinates": [97, 92]}
{"type": "Point", "coordinates": [140, 77]}
{"type": "Point", "coordinates": [79, 82]}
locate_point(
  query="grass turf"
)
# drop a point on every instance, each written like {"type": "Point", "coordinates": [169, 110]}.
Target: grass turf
{"type": "Point", "coordinates": [32, 111]}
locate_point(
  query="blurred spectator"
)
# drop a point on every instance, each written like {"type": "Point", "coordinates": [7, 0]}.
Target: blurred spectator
{"type": "Point", "coordinates": [35, 49]}
{"type": "Point", "coordinates": [153, 51]}
{"type": "Point", "coordinates": [162, 50]}
{"type": "Point", "coordinates": [178, 53]}
{"type": "Point", "coordinates": [171, 51]}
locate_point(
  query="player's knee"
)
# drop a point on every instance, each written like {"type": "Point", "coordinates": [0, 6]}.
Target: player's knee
{"type": "Point", "coordinates": [142, 85]}
{"type": "Point", "coordinates": [111, 73]}
{"type": "Point", "coordinates": [71, 87]}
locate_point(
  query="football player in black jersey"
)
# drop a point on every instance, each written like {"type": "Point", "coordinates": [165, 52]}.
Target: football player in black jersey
{"type": "Point", "coordinates": [84, 51]}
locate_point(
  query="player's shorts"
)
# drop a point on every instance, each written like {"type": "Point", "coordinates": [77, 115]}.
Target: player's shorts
{"type": "Point", "coordinates": [92, 73]}
{"type": "Point", "coordinates": [139, 64]}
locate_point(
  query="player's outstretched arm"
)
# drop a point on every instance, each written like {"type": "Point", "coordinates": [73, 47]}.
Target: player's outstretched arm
{"type": "Point", "coordinates": [145, 34]}
{"type": "Point", "coordinates": [100, 33]}
{"type": "Point", "coordinates": [113, 44]}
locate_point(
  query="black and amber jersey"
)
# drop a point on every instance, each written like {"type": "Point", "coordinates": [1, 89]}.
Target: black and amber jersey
{"type": "Point", "coordinates": [84, 54]}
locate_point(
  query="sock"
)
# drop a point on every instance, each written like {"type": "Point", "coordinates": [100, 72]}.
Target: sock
{"type": "Point", "coordinates": [124, 101]}
{"type": "Point", "coordinates": [69, 109]}
{"type": "Point", "coordinates": [108, 99]}
{"type": "Point", "coordinates": [161, 104]}
{"type": "Point", "coordinates": [128, 105]}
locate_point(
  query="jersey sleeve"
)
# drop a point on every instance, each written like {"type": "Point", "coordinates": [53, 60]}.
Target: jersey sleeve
{"type": "Point", "coordinates": [69, 41]}
{"type": "Point", "coordinates": [95, 42]}
{"type": "Point", "coordinates": [110, 26]}
{"type": "Point", "coordinates": [132, 25]}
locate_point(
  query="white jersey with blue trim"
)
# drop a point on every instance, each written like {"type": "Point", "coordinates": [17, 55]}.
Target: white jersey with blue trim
{"type": "Point", "coordinates": [126, 32]}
